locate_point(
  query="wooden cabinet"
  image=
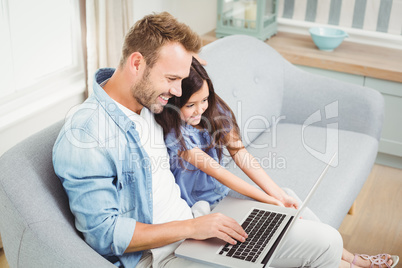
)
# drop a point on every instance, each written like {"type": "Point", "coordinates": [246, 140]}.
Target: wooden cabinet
{"type": "Point", "coordinates": [391, 137]}
{"type": "Point", "coordinates": [390, 149]}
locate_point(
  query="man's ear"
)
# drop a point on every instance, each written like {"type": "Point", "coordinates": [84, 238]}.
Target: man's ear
{"type": "Point", "coordinates": [136, 61]}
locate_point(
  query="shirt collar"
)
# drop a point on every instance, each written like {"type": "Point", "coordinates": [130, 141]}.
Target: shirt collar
{"type": "Point", "coordinates": [108, 103]}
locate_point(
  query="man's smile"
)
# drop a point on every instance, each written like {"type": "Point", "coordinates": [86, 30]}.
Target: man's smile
{"type": "Point", "coordinates": [164, 99]}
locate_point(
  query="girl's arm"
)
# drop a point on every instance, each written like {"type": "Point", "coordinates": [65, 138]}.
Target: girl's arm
{"type": "Point", "coordinates": [255, 172]}
{"type": "Point", "coordinates": [207, 164]}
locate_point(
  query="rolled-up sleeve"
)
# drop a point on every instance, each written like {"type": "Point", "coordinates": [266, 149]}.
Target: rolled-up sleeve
{"type": "Point", "coordinates": [123, 232]}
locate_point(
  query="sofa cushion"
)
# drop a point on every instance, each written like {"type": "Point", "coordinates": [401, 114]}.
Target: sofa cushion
{"type": "Point", "coordinates": [288, 153]}
{"type": "Point", "coordinates": [253, 93]}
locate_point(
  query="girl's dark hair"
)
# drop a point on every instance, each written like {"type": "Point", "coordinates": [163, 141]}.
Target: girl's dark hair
{"type": "Point", "coordinates": [218, 118]}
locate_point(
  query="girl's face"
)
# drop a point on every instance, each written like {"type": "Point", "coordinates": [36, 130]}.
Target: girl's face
{"type": "Point", "coordinates": [197, 104]}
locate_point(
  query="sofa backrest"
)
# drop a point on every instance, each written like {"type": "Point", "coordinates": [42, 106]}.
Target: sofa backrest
{"type": "Point", "coordinates": [248, 75]}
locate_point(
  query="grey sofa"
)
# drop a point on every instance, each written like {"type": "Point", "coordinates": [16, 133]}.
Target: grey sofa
{"type": "Point", "coordinates": [276, 106]}
{"type": "Point", "coordinates": [36, 225]}
{"type": "Point", "coordinates": [292, 121]}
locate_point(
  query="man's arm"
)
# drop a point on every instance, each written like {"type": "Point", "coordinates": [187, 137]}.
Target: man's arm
{"type": "Point", "coordinates": [148, 236]}
{"type": "Point", "coordinates": [89, 180]}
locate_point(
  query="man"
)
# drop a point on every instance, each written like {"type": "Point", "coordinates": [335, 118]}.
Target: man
{"type": "Point", "coordinates": [112, 161]}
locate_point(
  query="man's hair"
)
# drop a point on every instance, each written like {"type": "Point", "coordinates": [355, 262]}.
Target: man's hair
{"type": "Point", "coordinates": [149, 34]}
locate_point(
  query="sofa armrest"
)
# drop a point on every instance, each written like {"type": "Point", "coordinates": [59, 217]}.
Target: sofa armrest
{"type": "Point", "coordinates": [359, 109]}
{"type": "Point", "coordinates": [56, 244]}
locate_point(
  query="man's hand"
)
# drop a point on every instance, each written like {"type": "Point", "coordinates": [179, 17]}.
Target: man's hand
{"type": "Point", "coordinates": [217, 225]}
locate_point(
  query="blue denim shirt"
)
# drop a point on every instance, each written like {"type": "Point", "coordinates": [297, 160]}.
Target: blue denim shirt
{"type": "Point", "coordinates": [195, 185]}
{"type": "Point", "coordinates": [97, 157]}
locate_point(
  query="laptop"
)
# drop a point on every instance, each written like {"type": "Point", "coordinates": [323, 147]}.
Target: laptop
{"type": "Point", "coordinates": [266, 225]}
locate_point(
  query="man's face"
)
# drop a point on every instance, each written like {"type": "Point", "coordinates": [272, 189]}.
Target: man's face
{"type": "Point", "coordinates": [163, 80]}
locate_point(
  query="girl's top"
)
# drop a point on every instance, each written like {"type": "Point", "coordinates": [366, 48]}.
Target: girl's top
{"type": "Point", "coordinates": [195, 185]}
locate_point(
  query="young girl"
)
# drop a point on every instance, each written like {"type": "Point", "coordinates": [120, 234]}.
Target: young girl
{"type": "Point", "coordinates": [198, 126]}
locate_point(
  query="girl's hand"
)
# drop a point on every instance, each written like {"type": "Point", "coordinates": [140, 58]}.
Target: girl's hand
{"type": "Point", "coordinates": [289, 201]}
{"type": "Point", "coordinates": [202, 61]}
{"type": "Point", "coordinates": [273, 201]}
{"type": "Point", "coordinates": [278, 203]}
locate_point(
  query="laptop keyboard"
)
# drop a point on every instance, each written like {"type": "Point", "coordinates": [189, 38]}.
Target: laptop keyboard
{"type": "Point", "coordinates": [260, 226]}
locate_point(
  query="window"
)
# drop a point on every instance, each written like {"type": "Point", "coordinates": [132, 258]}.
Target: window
{"type": "Point", "coordinates": [41, 55]}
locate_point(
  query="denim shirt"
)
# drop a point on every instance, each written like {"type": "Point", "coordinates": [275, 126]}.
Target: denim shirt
{"type": "Point", "coordinates": [97, 157]}
{"type": "Point", "coordinates": [195, 185]}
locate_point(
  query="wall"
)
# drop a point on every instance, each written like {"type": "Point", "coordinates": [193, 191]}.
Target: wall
{"type": "Point", "coordinates": [41, 107]}
{"type": "Point", "coordinates": [199, 15]}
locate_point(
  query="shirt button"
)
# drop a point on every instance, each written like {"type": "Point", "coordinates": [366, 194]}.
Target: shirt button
{"type": "Point", "coordinates": [112, 107]}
